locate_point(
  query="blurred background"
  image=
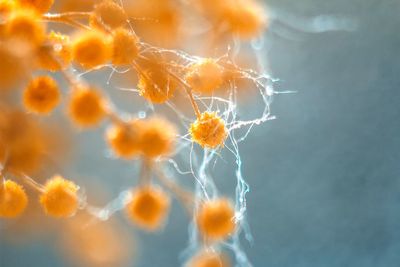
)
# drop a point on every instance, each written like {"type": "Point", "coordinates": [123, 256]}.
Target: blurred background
{"type": "Point", "coordinates": [324, 176]}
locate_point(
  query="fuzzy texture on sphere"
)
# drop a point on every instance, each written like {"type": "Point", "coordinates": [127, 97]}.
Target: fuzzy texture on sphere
{"type": "Point", "coordinates": [56, 53]}
{"type": "Point", "coordinates": [148, 207]}
{"type": "Point", "coordinates": [26, 26]}
{"type": "Point", "coordinates": [59, 198]}
{"type": "Point", "coordinates": [41, 6]}
{"type": "Point", "coordinates": [215, 219]}
{"type": "Point", "coordinates": [41, 95]}
{"type": "Point", "coordinates": [124, 138]}
{"type": "Point", "coordinates": [125, 47]}
{"type": "Point", "coordinates": [108, 13]}
{"type": "Point", "coordinates": [205, 76]}
{"type": "Point", "coordinates": [157, 137]}
{"type": "Point", "coordinates": [91, 49]}
{"type": "Point", "coordinates": [209, 130]}
{"type": "Point", "coordinates": [13, 199]}
{"type": "Point", "coordinates": [86, 107]}
{"type": "Point", "coordinates": [208, 259]}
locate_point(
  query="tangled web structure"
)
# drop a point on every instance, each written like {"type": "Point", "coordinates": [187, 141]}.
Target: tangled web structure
{"type": "Point", "coordinates": [189, 122]}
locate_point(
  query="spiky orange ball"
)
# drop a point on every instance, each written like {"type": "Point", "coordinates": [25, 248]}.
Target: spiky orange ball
{"type": "Point", "coordinates": [209, 130]}
{"type": "Point", "coordinates": [41, 95]}
{"type": "Point", "coordinates": [157, 137]}
{"type": "Point", "coordinates": [13, 199]}
{"type": "Point", "coordinates": [108, 13]}
{"type": "Point", "coordinates": [124, 138]}
{"type": "Point", "coordinates": [125, 47]}
{"type": "Point", "coordinates": [86, 106]}
{"type": "Point", "coordinates": [205, 76]}
{"type": "Point", "coordinates": [215, 219]}
{"type": "Point", "coordinates": [91, 49]}
{"type": "Point", "coordinates": [148, 208]}
{"type": "Point", "coordinates": [59, 198]}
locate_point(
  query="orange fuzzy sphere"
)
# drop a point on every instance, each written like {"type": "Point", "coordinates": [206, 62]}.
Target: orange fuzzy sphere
{"type": "Point", "coordinates": [157, 137]}
{"type": "Point", "coordinates": [124, 138]}
{"type": "Point", "coordinates": [245, 18]}
{"type": "Point", "coordinates": [205, 77]}
{"type": "Point", "coordinates": [41, 6]}
{"type": "Point", "coordinates": [110, 14]}
{"type": "Point", "coordinates": [125, 47]}
{"type": "Point", "coordinates": [41, 95]}
{"type": "Point", "coordinates": [215, 219]}
{"type": "Point", "coordinates": [59, 198]}
{"type": "Point", "coordinates": [208, 259]}
{"type": "Point", "coordinates": [25, 26]}
{"type": "Point", "coordinates": [13, 199]}
{"type": "Point", "coordinates": [86, 107]}
{"type": "Point", "coordinates": [148, 208]}
{"type": "Point", "coordinates": [209, 130]}
{"type": "Point", "coordinates": [91, 49]}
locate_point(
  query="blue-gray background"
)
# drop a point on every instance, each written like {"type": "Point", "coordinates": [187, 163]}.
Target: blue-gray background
{"type": "Point", "coordinates": [324, 176]}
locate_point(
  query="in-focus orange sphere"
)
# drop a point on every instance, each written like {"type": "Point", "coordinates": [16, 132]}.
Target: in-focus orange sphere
{"type": "Point", "coordinates": [41, 95]}
{"type": "Point", "coordinates": [215, 219]}
{"type": "Point", "coordinates": [148, 207]}
{"type": "Point", "coordinates": [209, 130]}
{"type": "Point", "coordinates": [59, 198]}
{"type": "Point", "coordinates": [13, 199]}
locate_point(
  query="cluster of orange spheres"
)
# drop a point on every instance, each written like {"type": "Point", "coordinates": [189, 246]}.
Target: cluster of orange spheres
{"type": "Point", "coordinates": [58, 198]}
{"type": "Point", "coordinates": [153, 137]}
{"type": "Point", "coordinates": [104, 36]}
